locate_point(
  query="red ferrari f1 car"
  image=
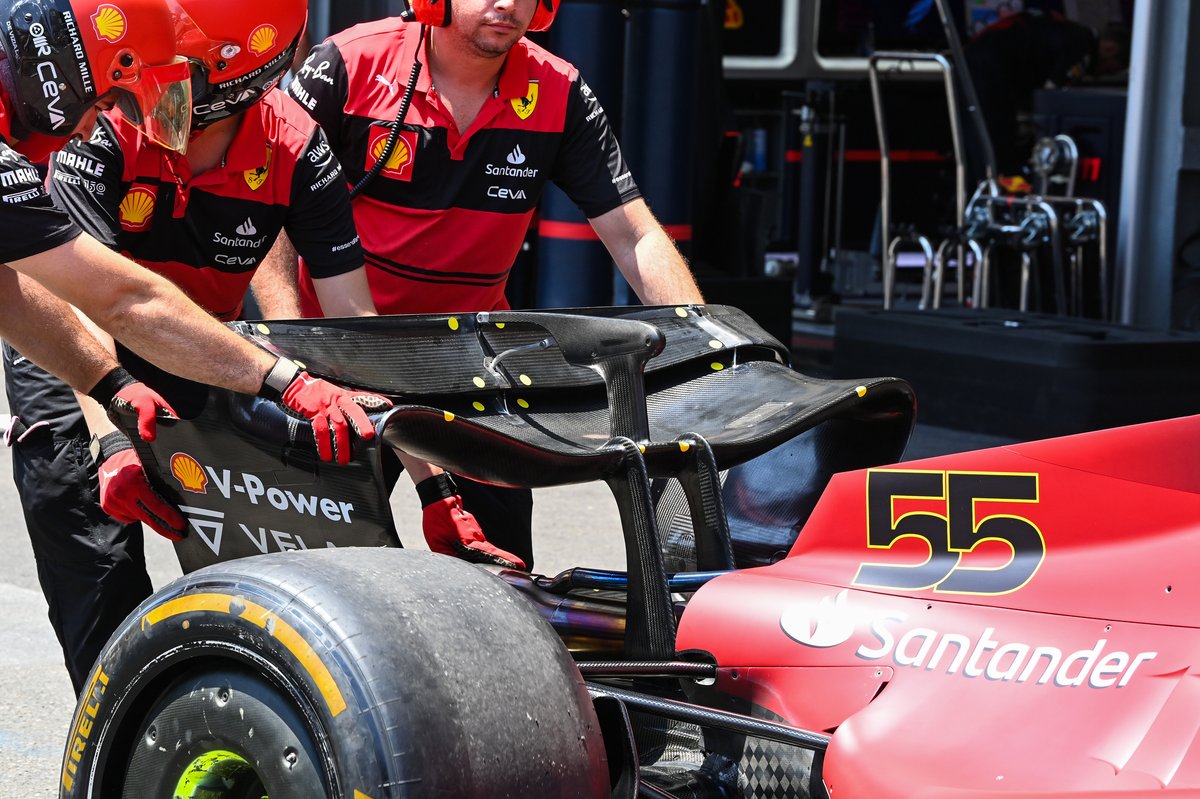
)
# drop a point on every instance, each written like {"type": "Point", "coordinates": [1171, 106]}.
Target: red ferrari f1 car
{"type": "Point", "coordinates": [797, 618]}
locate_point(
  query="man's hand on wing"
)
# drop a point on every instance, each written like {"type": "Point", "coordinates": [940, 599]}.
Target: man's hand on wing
{"type": "Point", "coordinates": [126, 494]}
{"type": "Point", "coordinates": [333, 411]}
{"type": "Point", "coordinates": [119, 392]}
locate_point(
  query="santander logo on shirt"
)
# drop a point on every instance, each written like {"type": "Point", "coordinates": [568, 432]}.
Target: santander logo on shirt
{"type": "Point", "coordinates": [514, 168]}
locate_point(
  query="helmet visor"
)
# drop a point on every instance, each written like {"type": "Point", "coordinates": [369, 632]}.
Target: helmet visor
{"type": "Point", "coordinates": [161, 104]}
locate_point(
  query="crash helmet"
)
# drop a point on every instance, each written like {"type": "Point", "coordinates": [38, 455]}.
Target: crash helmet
{"type": "Point", "coordinates": [437, 13]}
{"type": "Point", "coordinates": [62, 57]}
{"type": "Point", "coordinates": [238, 51]}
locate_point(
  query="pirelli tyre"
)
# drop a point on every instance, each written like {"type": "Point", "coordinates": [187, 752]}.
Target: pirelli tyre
{"type": "Point", "coordinates": [356, 673]}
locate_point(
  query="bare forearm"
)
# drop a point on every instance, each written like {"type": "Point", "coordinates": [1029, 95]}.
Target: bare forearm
{"type": "Point", "coordinates": [275, 283]}
{"type": "Point", "coordinates": [347, 294]}
{"type": "Point", "coordinates": [417, 469]}
{"type": "Point", "coordinates": [47, 332]}
{"type": "Point", "coordinates": [646, 255]}
{"type": "Point", "coordinates": [94, 415]}
{"type": "Point", "coordinates": [658, 273]}
{"type": "Point", "coordinates": [149, 315]}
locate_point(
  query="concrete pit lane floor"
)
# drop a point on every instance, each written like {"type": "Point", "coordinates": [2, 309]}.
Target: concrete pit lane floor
{"type": "Point", "coordinates": [36, 702]}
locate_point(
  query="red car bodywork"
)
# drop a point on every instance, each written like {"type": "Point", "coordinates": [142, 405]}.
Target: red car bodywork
{"type": "Point", "coordinates": [1013, 621]}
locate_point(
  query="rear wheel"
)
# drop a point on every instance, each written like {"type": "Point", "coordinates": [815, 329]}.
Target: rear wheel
{"type": "Point", "coordinates": [223, 734]}
{"type": "Point", "coordinates": [363, 673]}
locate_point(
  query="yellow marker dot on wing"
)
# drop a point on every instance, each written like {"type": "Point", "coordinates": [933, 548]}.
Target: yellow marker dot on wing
{"type": "Point", "coordinates": [681, 311]}
{"type": "Point", "coordinates": [684, 446]}
{"type": "Point", "coordinates": [861, 391]}
{"type": "Point", "coordinates": [301, 364]}
{"type": "Point", "coordinates": [477, 405]}
{"type": "Point", "coordinates": [500, 325]}
{"type": "Point", "coordinates": [449, 416]}
{"type": "Point", "coordinates": [266, 331]}
{"type": "Point", "coordinates": [642, 448]}
{"type": "Point", "coordinates": [523, 403]}
{"type": "Point", "coordinates": [526, 380]}
{"type": "Point", "coordinates": [716, 345]}
{"type": "Point", "coordinates": [479, 382]}
{"type": "Point", "coordinates": [453, 322]}
{"type": "Point", "coordinates": [717, 366]}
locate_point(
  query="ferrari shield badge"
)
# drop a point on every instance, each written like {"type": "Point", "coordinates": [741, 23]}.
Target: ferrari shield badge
{"type": "Point", "coordinates": [255, 178]}
{"type": "Point", "coordinates": [524, 105]}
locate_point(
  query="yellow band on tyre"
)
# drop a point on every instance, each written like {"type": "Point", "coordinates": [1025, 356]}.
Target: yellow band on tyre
{"type": "Point", "coordinates": [259, 616]}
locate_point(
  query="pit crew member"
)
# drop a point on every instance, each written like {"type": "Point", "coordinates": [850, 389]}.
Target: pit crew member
{"type": "Point", "coordinates": [493, 117]}
{"type": "Point", "coordinates": [101, 54]}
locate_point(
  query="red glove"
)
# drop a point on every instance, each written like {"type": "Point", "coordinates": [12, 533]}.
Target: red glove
{"type": "Point", "coordinates": [451, 530]}
{"type": "Point", "coordinates": [333, 411]}
{"type": "Point", "coordinates": [119, 392]}
{"type": "Point", "coordinates": [128, 497]}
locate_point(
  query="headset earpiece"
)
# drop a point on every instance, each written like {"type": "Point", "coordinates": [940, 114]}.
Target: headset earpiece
{"type": "Point", "coordinates": [435, 13]}
{"type": "Point", "coordinates": [546, 9]}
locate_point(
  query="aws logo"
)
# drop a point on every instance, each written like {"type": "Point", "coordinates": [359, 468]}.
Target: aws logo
{"type": "Point", "coordinates": [399, 165]}
{"type": "Point", "coordinates": [190, 474]}
{"type": "Point", "coordinates": [137, 208]}
{"type": "Point", "coordinates": [109, 23]}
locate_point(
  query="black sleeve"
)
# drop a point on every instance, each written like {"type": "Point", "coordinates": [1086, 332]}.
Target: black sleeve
{"type": "Point", "coordinates": [85, 181]}
{"type": "Point", "coordinates": [589, 166]}
{"type": "Point", "coordinates": [30, 222]}
{"type": "Point", "coordinates": [321, 87]}
{"type": "Point", "coordinates": [320, 222]}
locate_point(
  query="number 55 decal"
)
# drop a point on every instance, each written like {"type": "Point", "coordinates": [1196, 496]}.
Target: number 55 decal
{"type": "Point", "coordinates": [959, 527]}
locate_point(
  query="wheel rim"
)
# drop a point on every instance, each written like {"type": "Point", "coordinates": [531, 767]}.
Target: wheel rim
{"type": "Point", "coordinates": [220, 774]}
{"type": "Point", "coordinates": [223, 733]}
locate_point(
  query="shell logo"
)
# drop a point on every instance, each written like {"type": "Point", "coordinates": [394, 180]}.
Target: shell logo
{"type": "Point", "coordinates": [262, 39]}
{"type": "Point", "coordinates": [136, 209]}
{"type": "Point", "coordinates": [400, 156]}
{"type": "Point", "coordinates": [190, 474]}
{"type": "Point", "coordinates": [399, 165]}
{"type": "Point", "coordinates": [109, 23]}
{"type": "Point", "coordinates": [735, 18]}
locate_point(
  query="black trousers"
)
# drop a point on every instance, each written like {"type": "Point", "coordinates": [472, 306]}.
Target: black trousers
{"type": "Point", "coordinates": [92, 570]}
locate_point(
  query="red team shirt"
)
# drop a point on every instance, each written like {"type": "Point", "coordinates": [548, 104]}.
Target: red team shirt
{"type": "Point", "coordinates": [208, 233]}
{"type": "Point", "coordinates": [29, 221]}
{"type": "Point", "coordinates": [443, 222]}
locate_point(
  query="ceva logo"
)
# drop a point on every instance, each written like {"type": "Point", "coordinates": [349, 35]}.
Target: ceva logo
{"type": "Point", "coordinates": [829, 624]}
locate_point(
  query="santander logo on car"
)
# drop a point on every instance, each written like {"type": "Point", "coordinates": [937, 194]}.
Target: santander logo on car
{"type": "Point", "coordinates": [828, 625]}
{"type": "Point", "coordinates": [884, 636]}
